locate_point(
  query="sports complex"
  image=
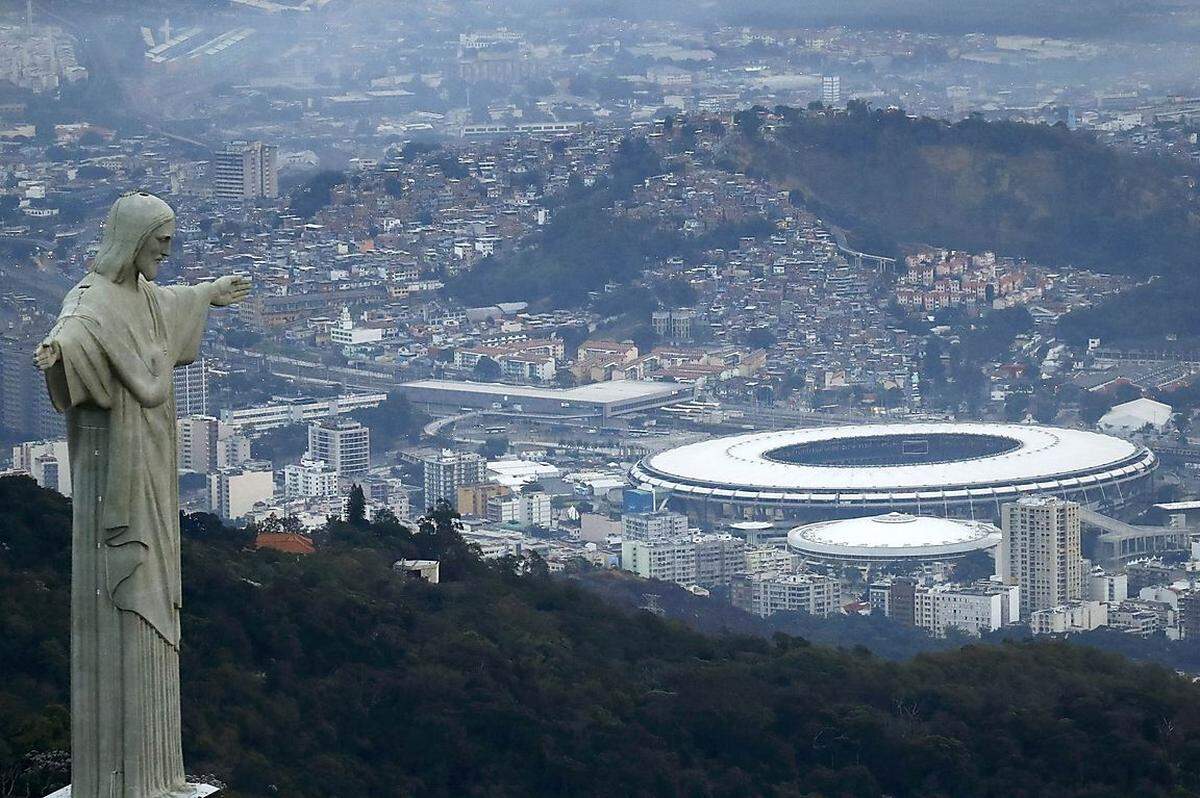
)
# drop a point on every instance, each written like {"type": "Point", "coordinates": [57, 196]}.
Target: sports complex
{"type": "Point", "coordinates": [892, 537]}
{"type": "Point", "coordinates": [961, 470]}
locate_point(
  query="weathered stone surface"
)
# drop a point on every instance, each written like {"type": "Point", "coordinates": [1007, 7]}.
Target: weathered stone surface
{"type": "Point", "coordinates": [108, 363]}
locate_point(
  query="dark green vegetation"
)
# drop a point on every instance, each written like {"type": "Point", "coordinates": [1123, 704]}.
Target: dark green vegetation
{"type": "Point", "coordinates": [314, 193]}
{"type": "Point", "coordinates": [332, 677]}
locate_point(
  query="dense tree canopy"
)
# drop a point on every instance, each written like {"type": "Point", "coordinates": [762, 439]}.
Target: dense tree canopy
{"type": "Point", "coordinates": [331, 676]}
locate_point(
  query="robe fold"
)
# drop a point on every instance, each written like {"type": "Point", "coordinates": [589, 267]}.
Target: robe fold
{"type": "Point", "coordinates": [114, 382]}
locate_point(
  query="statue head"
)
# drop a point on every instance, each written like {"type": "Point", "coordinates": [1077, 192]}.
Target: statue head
{"type": "Point", "coordinates": [137, 236]}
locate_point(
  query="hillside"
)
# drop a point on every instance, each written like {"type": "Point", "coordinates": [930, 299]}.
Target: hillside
{"type": "Point", "coordinates": [1037, 191]}
{"type": "Point", "coordinates": [1045, 193]}
{"type": "Point", "coordinates": [330, 677]}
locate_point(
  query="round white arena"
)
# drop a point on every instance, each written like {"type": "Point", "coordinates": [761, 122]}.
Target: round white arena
{"type": "Point", "coordinates": [948, 469]}
{"type": "Point", "coordinates": [893, 537]}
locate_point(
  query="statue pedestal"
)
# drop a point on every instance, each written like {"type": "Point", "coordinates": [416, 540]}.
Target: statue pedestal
{"type": "Point", "coordinates": [193, 791]}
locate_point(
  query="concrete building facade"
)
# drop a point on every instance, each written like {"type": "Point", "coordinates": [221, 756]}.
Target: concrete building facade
{"type": "Point", "coordinates": [447, 471]}
{"type": "Point", "coordinates": [1040, 552]}
{"type": "Point", "coordinates": [343, 444]}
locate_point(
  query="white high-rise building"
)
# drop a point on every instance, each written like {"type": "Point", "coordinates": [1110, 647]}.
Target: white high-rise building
{"type": "Point", "coordinates": [191, 389]}
{"type": "Point", "coordinates": [768, 558]}
{"type": "Point", "coordinates": [233, 492]}
{"type": "Point", "coordinates": [831, 90]}
{"type": "Point", "coordinates": [343, 444]}
{"type": "Point", "coordinates": [48, 462]}
{"type": "Point", "coordinates": [1040, 552]}
{"type": "Point", "coordinates": [309, 479]}
{"type": "Point", "coordinates": [446, 471]}
{"type": "Point", "coordinates": [246, 170]}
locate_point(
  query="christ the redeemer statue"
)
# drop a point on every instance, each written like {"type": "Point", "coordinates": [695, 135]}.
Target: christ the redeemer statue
{"type": "Point", "coordinates": [108, 363]}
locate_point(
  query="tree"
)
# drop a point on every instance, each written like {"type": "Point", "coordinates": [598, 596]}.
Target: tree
{"type": "Point", "coordinates": [494, 447]}
{"type": "Point", "coordinates": [760, 338]}
{"type": "Point", "coordinates": [315, 193]}
{"type": "Point", "coordinates": [356, 507]}
{"type": "Point", "coordinates": [486, 370]}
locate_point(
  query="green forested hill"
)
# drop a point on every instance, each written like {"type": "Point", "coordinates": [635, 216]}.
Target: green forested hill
{"type": "Point", "coordinates": [330, 677]}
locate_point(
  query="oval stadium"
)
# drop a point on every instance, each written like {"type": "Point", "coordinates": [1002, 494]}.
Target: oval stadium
{"type": "Point", "coordinates": [892, 537]}
{"type": "Point", "coordinates": [949, 469]}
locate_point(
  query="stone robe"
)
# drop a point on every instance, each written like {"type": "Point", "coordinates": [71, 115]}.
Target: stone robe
{"type": "Point", "coordinates": [113, 380]}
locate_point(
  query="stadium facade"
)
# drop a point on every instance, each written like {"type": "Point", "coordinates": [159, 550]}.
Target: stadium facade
{"type": "Point", "coordinates": [961, 470]}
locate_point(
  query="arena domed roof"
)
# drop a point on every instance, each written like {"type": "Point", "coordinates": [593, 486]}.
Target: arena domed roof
{"type": "Point", "coordinates": [892, 536]}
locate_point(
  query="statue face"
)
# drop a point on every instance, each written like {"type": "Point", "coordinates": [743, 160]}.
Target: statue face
{"type": "Point", "coordinates": [155, 248]}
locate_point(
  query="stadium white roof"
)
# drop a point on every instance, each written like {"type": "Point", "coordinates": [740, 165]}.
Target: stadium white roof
{"type": "Point", "coordinates": [893, 536]}
{"type": "Point", "coordinates": [1037, 460]}
{"type": "Point", "coordinates": [598, 392]}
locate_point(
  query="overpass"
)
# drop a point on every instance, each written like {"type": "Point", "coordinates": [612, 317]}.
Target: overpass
{"type": "Point", "coordinates": [1178, 451]}
{"type": "Point", "coordinates": [1120, 542]}
{"type": "Point", "coordinates": [882, 264]}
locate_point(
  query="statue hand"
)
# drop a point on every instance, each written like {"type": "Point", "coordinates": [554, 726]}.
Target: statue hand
{"type": "Point", "coordinates": [230, 289]}
{"type": "Point", "coordinates": [47, 354]}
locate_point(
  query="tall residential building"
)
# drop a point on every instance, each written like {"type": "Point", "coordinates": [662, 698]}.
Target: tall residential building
{"type": "Point", "coordinates": [1189, 614]}
{"type": "Point", "coordinates": [48, 462]}
{"type": "Point", "coordinates": [233, 492]}
{"type": "Point", "coordinates": [246, 170]}
{"type": "Point", "coordinates": [1040, 552]}
{"type": "Point", "coordinates": [390, 493]}
{"type": "Point", "coordinates": [447, 471]}
{"type": "Point", "coordinates": [191, 389]}
{"type": "Point", "coordinates": [653, 527]}
{"type": "Point", "coordinates": [768, 558]}
{"type": "Point", "coordinates": [902, 601]}
{"type": "Point", "coordinates": [309, 479]}
{"type": "Point", "coordinates": [206, 445]}
{"type": "Point", "coordinates": [831, 90]}
{"type": "Point", "coordinates": [343, 444]}
{"type": "Point", "coordinates": [719, 558]}
{"type": "Point", "coordinates": [765, 594]}
{"type": "Point", "coordinates": [25, 407]}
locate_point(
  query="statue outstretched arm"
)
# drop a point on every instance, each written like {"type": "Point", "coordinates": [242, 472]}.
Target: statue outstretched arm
{"type": "Point", "coordinates": [229, 290]}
